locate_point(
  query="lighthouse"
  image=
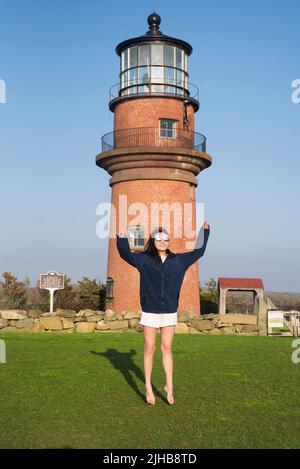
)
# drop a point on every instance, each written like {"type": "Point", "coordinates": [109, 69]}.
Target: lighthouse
{"type": "Point", "coordinates": [153, 156]}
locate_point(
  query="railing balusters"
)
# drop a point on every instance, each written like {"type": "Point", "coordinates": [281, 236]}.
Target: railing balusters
{"type": "Point", "coordinates": [148, 136]}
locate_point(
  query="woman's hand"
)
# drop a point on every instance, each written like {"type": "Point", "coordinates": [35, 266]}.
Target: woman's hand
{"type": "Point", "coordinates": [206, 225]}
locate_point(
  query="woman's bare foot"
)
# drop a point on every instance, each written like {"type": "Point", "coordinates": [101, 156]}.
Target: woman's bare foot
{"type": "Point", "coordinates": [170, 397]}
{"type": "Point", "coordinates": [149, 395]}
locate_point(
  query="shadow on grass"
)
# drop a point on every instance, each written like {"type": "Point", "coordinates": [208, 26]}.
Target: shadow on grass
{"type": "Point", "coordinates": [123, 362]}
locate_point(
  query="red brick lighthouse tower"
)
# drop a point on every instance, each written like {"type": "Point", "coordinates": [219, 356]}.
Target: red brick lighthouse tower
{"type": "Point", "coordinates": [153, 156]}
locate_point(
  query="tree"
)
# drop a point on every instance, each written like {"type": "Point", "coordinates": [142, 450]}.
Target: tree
{"type": "Point", "coordinates": [13, 292]}
{"type": "Point", "coordinates": [209, 297]}
{"type": "Point", "coordinates": [26, 281]}
{"type": "Point", "coordinates": [65, 298]}
{"type": "Point", "coordinates": [88, 294]}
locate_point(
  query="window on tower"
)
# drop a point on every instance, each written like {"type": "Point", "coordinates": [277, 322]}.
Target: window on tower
{"type": "Point", "coordinates": [167, 128]}
{"type": "Point", "coordinates": [136, 236]}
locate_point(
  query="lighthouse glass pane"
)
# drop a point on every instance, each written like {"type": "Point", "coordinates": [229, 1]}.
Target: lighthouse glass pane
{"type": "Point", "coordinates": [123, 79]}
{"type": "Point", "coordinates": [124, 83]}
{"type": "Point", "coordinates": [169, 80]}
{"type": "Point", "coordinates": [125, 59]}
{"type": "Point", "coordinates": [144, 79]}
{"type": "Point", "coordinates": [133, 79]}
{"type": "Point", "coordinates": [179, 82]}
{"type": "Point", "coordinates": [185, 62]}
{"type": "Point", "coordinates": [179, 58]}
{"type": "Point", "coordinates": [157, 76]}
{"type": "Point", "coordinates": [156, 54]}
{"type": "Point", "coordinates": [169, 56]}
{"type": "Point", "coordinates": [133, 56]}
{"type": "Point", "coordinates": [144, 55]}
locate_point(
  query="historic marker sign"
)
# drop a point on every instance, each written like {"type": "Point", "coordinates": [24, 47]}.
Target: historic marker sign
{"type": "Point", "coordinates": [52, 281]}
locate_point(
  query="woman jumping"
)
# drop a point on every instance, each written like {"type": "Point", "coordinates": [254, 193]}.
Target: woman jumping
{"type": "Point", "coordinates": [161, 276]}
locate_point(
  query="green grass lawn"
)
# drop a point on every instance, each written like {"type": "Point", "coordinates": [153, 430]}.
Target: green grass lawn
{"type": "Point", "coordinates": [87, 391]}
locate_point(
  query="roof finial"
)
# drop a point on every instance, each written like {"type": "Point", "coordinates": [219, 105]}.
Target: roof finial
{"type": "Point", "coordinates": [154, 22]}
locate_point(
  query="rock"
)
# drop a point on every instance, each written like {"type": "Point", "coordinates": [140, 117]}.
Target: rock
{"type": "Point", "coordinates": [80, 319]}
{"type": "Point", "coordinates": [133, 323]}
{"type": "Point", "coordinates": [194, 331]}
{"type": "Point", "coordinates": [181, 328]}
{"type": "Point", "coordinates": [25, 323]}
{"type": "Point", "coordinates": [184, 317]}
{"type": "Point", "coordinates": [206, 325]}
{"type": "Point", "coordinates": [88, 312]}
{"type": "Point", "coordinates": [250, 328]}
{"type": "Point", "coordinates": [80, 314]}
{"type": "Point", "coordinates": [102, 326]}
{"type": "Point", "coordinates": [37, 327]}
{"type": "Point", "coordinates": [93, 318]}
{"type": "Point", "coordinates": [215, 332]}
{"type": "Point", "coordinates": [66, 313]}
{"type": "Point", "coordinates": [67, 324]}
{"type": "Point", "coordinates": [10, 329]}
{"type": "Point", "coordinates": [119, 316]}
{"type": "Point", "coordinates": [209, 316]}
{"type": "Point", "coordinates": [51, 323]}
{"type": "Point", "coordinates": [201, 324]}
{"type": "Point", "coordinates": [4, 323]}
{"type": "Point", "coordinates": [132, 315]}
{"type": "Point", "coordinates": [85, 326]}
{"type": "Point", "coordinates": [109, 315]}
{"type": "Point", "coordinates": [34, 313]}
{"type": "Point", "coordinates": [117, 324]}
{"type": "Point", "coordinates": [238, 318]}
{"type": "Point", "coordinates": [13, 314]}
{"type": "Point", "coordinates": [227, 330]}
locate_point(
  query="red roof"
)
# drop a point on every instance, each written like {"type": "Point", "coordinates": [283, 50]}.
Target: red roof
{"type": "Point", "coordinates": [228, 282]}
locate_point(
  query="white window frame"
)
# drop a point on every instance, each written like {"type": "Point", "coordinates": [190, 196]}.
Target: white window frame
{"type": "Point", "coordinates": [174, 129]}
{"type": "Point", "coordinates": [133, 238]}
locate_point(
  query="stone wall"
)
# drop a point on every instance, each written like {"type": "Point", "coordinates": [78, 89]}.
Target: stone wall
{"type": "Point", "coordinates": [107, 321]}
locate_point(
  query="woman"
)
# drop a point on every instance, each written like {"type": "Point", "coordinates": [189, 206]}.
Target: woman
{"type": "Point", "coordinates": [161, 276]}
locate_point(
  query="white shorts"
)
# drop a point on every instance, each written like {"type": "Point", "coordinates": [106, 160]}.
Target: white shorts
{"type": "Point", "coordinates": [158, 319]}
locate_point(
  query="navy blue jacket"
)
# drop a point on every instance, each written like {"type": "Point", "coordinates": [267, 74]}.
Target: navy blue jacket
{"type": "Point", "coordinates": [160, 282]}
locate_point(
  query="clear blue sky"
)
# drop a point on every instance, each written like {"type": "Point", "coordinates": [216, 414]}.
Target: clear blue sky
{"type": "Point", "coordinates": [58, 60]}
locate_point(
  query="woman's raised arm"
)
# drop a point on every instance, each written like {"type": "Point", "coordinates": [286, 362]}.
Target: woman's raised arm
{"type": "Point", "coordinates": [124, 250]}
{"type": "Point", "coordinates": [188, 258]}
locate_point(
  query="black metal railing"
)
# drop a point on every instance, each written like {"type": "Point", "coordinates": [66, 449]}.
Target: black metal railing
{"type": "Point", "coordinates": [154, 86]}
{"type": "Point", "coordinates": [153, 137]}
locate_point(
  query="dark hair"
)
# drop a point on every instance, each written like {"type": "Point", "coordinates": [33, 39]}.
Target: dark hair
{"type": "Point", "coordinates": [150, 247]}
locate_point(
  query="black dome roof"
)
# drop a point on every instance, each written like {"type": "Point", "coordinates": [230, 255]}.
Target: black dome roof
{"type": "Point", "coordinates": [154, 35]}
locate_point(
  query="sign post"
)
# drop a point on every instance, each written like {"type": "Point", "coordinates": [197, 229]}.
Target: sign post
{"type": "Point", "coordinates": [52, 281]}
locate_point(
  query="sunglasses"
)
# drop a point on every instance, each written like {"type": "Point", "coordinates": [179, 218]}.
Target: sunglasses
{"type": "Point", "coordinates": [161, 238]}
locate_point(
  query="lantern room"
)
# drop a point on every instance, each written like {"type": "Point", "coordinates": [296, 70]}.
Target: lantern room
{"type": "Point", "coordinates": [154, 64]}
